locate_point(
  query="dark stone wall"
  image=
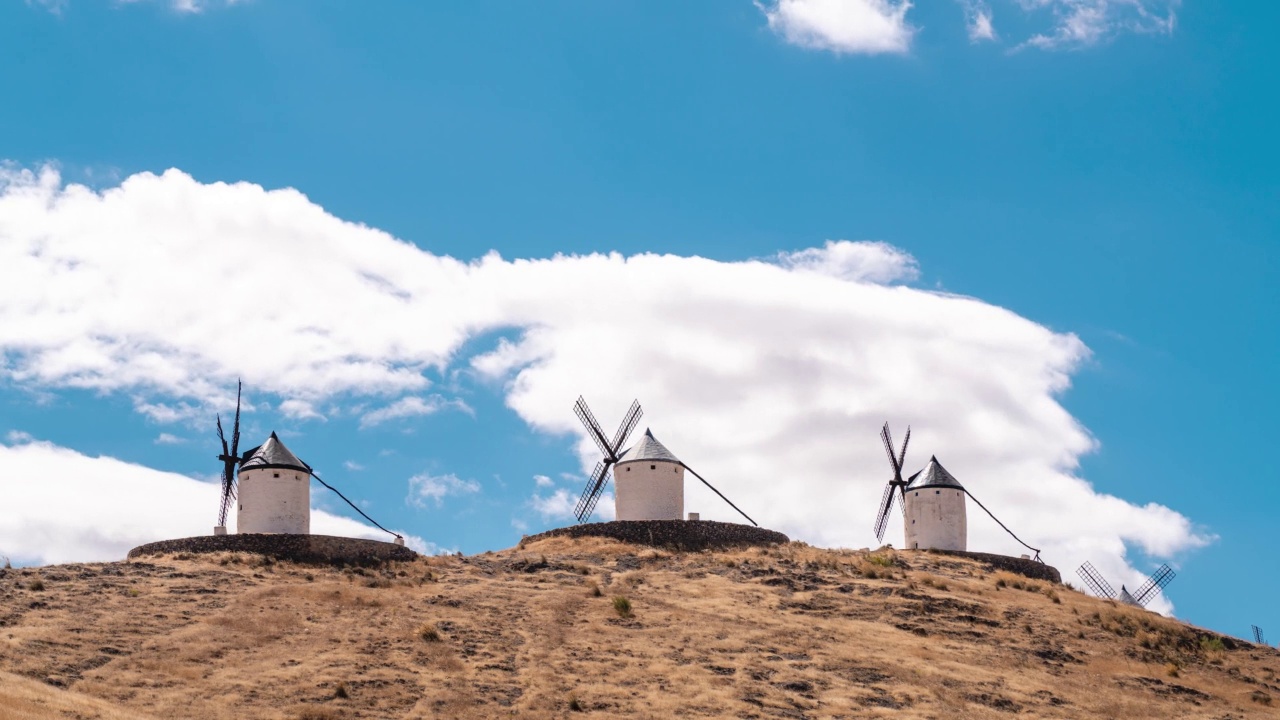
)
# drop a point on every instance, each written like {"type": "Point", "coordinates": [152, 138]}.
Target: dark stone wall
{"type": "Point", "coordinates": [307, 549]}
{"type": "Point", "coordinates": [1021, 566]}
{"type": "Point", "coordinates": [675, 534]}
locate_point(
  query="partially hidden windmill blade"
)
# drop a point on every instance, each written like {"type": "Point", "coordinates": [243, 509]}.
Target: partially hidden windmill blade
{"type": "Point", "coordinates": [1257, 635]}
{"type": "Point", "coordinates": [230, 459]}
{"type": "Point", "coordinates": [1095, 581]}
{"type": "Point", "coordinates": [722, 497]}
{"type": "Point", "coordinates": [1154, 584]}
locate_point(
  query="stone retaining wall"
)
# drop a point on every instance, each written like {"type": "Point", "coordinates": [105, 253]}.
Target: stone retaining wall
{"type": "Point", "coordinates": [675, 534]}
{"type": "Point", "coordinates": [308, 549]}
{"type": "Point", "coordinates": [1021, 566]}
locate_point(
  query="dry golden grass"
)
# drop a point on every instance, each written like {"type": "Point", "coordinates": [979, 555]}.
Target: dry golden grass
{"type": "Point", "coordinates": [26, 699]}
{"type": "Point", "coordinates": [534, 632]}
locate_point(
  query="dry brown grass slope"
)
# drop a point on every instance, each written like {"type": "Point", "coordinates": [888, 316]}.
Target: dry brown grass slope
{"type": "Point", "coordinates": [538, 632]}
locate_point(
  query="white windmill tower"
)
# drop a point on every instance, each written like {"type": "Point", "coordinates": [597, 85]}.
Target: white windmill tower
{"type": "Point", "coordinates": [649, 482]}
{"type": "Point", "coordinates": [935, 510]}
{"type": "Point", "coordinates": [274, 491]}
{"type": "Point", "coordinates": [649, 477]}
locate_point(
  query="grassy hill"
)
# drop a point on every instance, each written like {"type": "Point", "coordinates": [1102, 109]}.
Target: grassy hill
{"type": "Point", "coordinates": [589, 627]}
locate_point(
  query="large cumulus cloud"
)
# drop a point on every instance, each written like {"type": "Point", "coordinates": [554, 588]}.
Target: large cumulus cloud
{"type": "Point", "coordinates": [769, 376]}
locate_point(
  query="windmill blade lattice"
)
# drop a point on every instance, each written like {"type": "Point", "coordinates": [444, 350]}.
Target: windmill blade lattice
{"type": "Point", "coordinates": [1154, 584]}
{"type": "Point", "coordinates": [1257, 635]}
{"type": "Point", "coordinates": [1095, 581]}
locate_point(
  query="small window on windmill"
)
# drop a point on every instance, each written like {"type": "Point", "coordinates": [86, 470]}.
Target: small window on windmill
{"type": "Point", "coordinates": [653, 467]}
{"type": "Point", "coordinates": [275, 475]}
{"type": "Point", "coordinates": [937, 492]}
{"type": "Point", "coordinates": [628, 468]}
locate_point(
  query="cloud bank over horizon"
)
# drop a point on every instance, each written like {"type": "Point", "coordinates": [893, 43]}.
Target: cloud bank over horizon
{"type": "Point", "coordinates": [62, 506]}
{"type": "Point", "coordinates": [770, 376]}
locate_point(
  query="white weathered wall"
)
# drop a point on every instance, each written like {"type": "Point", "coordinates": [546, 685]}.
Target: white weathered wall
{"type": "Point", "coordinates": [936, 519]}
{"type": "Point", "coordinates": [649, 490]}
{"type": "Point", "coordinates": [271, 504]}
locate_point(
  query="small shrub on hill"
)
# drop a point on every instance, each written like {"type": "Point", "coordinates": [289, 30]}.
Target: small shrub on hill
{"type": "Point", "coordinates": [429, 633]}
{"type": "Point", "coordinates": [36, 585]}
{"type": "Point", "coordinates": [622, 606]}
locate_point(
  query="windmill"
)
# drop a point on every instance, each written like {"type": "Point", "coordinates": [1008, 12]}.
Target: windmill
{"type": "Point", "coordinates": [230, 461]}
{"type": "Point", "coordinates": [1138, 598]}
{"type": "Point", "coordinates": [611, 451]}
{"type": "Point", "coordinates": [896, 460]}
{"type": "Point", "coordinates": [1257, 635]}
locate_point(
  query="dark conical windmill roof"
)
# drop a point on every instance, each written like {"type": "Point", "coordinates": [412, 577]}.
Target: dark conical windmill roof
{"type": "Point", "coordinates": [933, 475]}
{"type": "Point", "coordinates": [648, 448]}
{"type": "Point", "coordinates": [273, 454]}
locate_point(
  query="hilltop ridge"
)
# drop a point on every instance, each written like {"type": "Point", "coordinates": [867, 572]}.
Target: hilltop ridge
{"type": "Point", "coordinates": [565, 627]}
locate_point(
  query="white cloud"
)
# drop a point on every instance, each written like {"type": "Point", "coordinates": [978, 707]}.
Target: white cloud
{"type": "Point", "coordinates": [425, 489]}
{"type": "Point", "coordinates": [62, 506]}
{"type": "Point", "coordinates": [352, 465]}
{"type": "Point", "coordinates": [769, 378]}
{"type": "Point", "coordinates": [299, 410]}
{"type": "Point", "coordinates": [191, 7]}
{"type": "Point", "coordinates": [875, 262]}
{"type": "Point", "coordinates": [411, 406]}
{"type": "Point", "coordinates": [842, 26]}
{"type": "Point", "coordinates": [1081, 23]}
{"type": "Point", "coordinates": [167, 439]}
{"type": "Point", "coordinates": [18, 437]}
{"type": "Point", "coordinates": [543, 481]}
{"type": "Point", "coordinates": [978, 20]}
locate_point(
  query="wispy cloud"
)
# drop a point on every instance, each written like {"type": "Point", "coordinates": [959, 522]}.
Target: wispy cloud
{"type": "Point", "coordinates": [167, 439]}
{"type": "Point", "coordinates": [1083, 23]}
{"type": "Point", "coordinates": [300, 410]}
{"type": "Point", "coordinates": [427, 489]}
{"type": "Point", "coordinates": [842, 26]}
{"type": "Point", "coordinates": [412, 406]}
{"type": "Point", "coordinates": [979, 21]}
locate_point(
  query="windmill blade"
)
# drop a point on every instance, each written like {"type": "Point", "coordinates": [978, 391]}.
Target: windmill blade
{"type": "Point", "coordinates": [902, 456]}
{"type": "Point", "coordinates": [1257, 635]}
{"type": "Point", "coordinates": [593, 427]}
{"type": "Point", "coordinates": [1154, 584]}
{"type": "Point", "coordinates": [591, 493]}
{"type": "Point", "coordinates": [221, 437]}
{"type": "Point", "coordinates": [1095, 581]}
{"type": "Point", "coordinates": [624, 430]}
{"type": "Point", "coordinates": [888, 448]}
{"type": "Point", "coordinates": [235, 429]}
{"type": "Point", "coordinates": [882, 516]}
{"type": "Point", "coordinates": [722, 497]}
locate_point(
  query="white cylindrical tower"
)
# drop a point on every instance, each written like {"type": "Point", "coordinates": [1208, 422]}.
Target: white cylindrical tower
{"type": "Point", "coordinates": [649, 482]}
{"type": "Point", "coordinates": [935, 507]}
{"type": "Point", "coordinates": [274, 494]}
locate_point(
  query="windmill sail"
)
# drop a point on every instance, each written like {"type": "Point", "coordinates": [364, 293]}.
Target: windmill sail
{"type": "Point", "coordinates": [610, 449]}
{"type": "Point", "coordinates": [896, 459]}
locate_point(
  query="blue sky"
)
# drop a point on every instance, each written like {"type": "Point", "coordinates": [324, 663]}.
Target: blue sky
{"type": "Point", "coordinates": [1118, 186]}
